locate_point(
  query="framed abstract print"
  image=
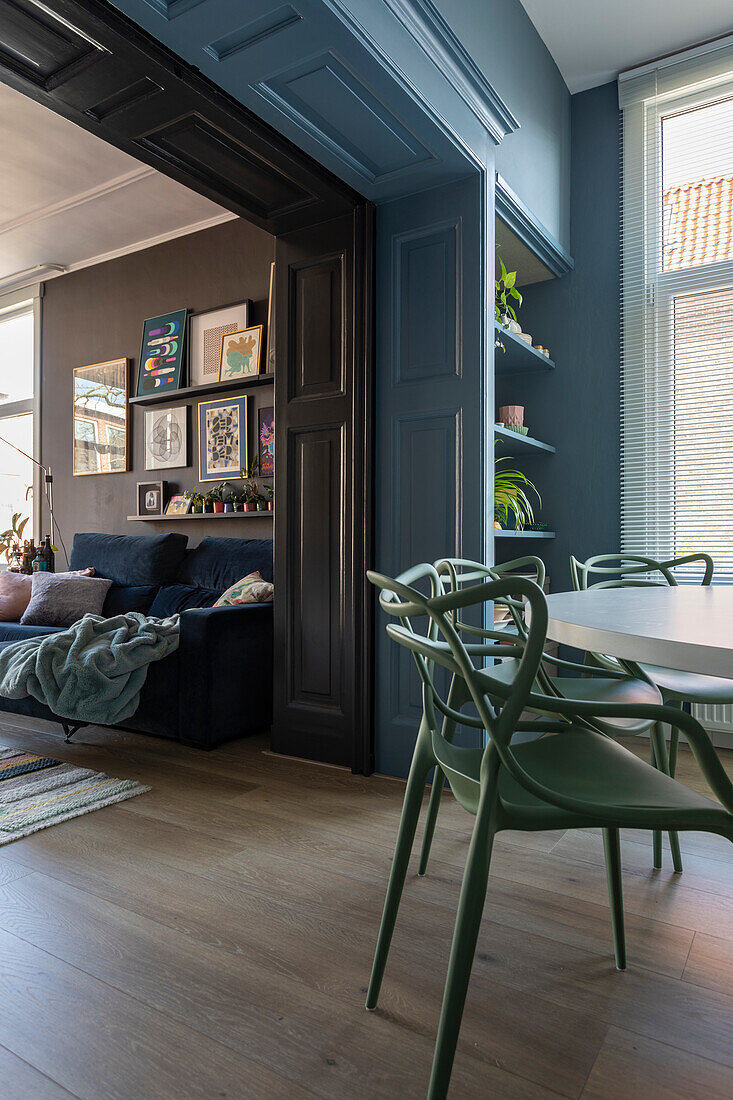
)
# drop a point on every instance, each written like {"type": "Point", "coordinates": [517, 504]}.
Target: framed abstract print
{"type": "Point", "coordinates": [222, 438]}
{"type": "Point", "coordinates": [101, 419]}
{"type": "Point", "coordinates": [206, 331]}
{"type": "Point", "coordinates": [266, 441]}
{"type": "Point", "coordinates": [241, 354]}
{"type": "Point", "coordinates": [162, 353]}
{"type": "Point", "coordinates": [166, 438]}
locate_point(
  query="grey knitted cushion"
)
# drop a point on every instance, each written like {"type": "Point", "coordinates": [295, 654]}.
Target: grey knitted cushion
{"type": "Point", "coordinates": [60, 599]}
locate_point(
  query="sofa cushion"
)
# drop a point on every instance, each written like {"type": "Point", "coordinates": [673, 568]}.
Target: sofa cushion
{"type": "Point", "coordinates": [172, 599]}
{"type": "Point", "coordinates": [250, 589]}
{"type": "Point", "coordinates": [16, 632]}
{"type": "Point", "coordinates": [59, 599]}
{"type": "Point", "coordinates": [15, 594]}
{"type": "Point", "coordinates": [130, 559]}
{"type": "Point", "coordinates": [217, 563]}
{"type": "Point", "coordinates": [122, 598]}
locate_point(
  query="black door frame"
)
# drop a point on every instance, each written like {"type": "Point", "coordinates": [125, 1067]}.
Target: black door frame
{"type": "Point", "coordinates": [91, 64]}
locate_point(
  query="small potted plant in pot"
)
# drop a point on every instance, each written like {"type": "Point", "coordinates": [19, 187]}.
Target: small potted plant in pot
{"type": "Point", "coordinates": [208, 502]}
{"type": "Point", "coordinates": [197, 501]}
{"type": "Point", "coordinates": [505, 290]}
{"type": "Point", "coordinates": [215, 495]}
{"type": "Point", "coordinates": [270, 490]}
{"type": "Point", "coordinates": [261, 503]}
{"type": "Point", "coordinates": [237, 500]}
{"type": "Point", "coordinates": [510, 498]}
{"type": "Point", "coordinates": [251, 491]}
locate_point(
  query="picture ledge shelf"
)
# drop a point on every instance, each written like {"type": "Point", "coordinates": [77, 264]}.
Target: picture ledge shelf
{"type": "Point", "coordinates": [202, 515]}
{"type": "Point", "coordinates": [200, 391]}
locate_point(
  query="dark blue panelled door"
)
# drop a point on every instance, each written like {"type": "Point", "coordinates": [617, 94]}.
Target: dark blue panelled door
{"type": "Point", "coordinates": [433, 389]}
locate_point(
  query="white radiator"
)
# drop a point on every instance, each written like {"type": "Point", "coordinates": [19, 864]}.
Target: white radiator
{"type": "Point", "coordinates": [718, 721]}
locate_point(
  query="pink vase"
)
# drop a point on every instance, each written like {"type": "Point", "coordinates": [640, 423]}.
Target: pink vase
{"type": "Point", "coordinates": [512, 415]}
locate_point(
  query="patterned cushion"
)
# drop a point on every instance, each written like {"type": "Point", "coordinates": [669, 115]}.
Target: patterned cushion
{"type": "Point", "coordinates": [251, 589]}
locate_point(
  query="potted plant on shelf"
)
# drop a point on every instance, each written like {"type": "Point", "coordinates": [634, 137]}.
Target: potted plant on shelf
{"type": "Point", "coordinates": [261, 503]}
{"type": "Point", "coordinates": [510, 497]}
{"type": "Point", "coordinates": [237, 500]}
{"type": "Point", "coordinates": [197, 501]}
{"type": "Point", "coordinates": [250, 487]}
{"type": "Point", "coordinates": [11, 541]}
{"type": "Point", "coordinates": [270, 490]}
{"type": "Point", "coordinates": [209, 502]}
{"type": "Point", "coordinates": [216, 497]}
{"type": "Point", "coordinates": [505, 289]}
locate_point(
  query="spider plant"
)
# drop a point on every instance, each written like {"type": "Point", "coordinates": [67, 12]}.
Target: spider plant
{"type": "Point", "coordinates": [510, 496]}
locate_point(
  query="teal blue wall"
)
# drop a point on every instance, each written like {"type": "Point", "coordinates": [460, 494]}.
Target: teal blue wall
{"type": "Point", "coordinates": [576, 407]}
{"type": "Point", "coordinates": [535, 160]}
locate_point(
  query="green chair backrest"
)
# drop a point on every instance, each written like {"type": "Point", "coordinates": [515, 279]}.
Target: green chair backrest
{"type": "Point", "coordinates": [441, 644]}
{"type": "Point", "coordinates": [632, 570]}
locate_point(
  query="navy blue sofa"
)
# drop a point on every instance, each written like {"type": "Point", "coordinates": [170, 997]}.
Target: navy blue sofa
{"type": "Point", "coordinates": [218, 684]}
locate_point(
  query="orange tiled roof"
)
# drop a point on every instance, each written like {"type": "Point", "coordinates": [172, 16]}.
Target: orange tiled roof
{"type": "Point", "coordinates": [698, 223]}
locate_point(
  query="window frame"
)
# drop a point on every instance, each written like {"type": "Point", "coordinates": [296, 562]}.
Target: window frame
{"type": "Point", "coordinates": [651, 340]}
{"type": "Point", "coordinates": [28, 299]}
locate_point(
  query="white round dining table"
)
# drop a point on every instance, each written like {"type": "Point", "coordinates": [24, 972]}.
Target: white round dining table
{"type": "Point", "coordinates": [688, 628]}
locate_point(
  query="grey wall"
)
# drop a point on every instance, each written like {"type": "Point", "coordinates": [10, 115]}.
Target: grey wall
{"type": "Point", "coordinates": [576, 407]}
{"type": "Point", "coordinates": [96, 314]}
{"type": "Point", "coordinates": [535, 160]}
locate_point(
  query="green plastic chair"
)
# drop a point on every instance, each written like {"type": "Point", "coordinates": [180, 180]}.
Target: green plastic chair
{"type": "Point", "coordinates": [596, 684]}
{"type": "Point", "coordinates": [677, 687]}
{"type": "Point", "coordinates": [577, 778]}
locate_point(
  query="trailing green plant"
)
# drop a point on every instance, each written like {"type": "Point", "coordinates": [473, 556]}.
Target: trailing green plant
{"type": "Point", "coordinates": [510, 497]}
{"type": "Point", "coordinates": [196, 499]}
{"type": "Point", "coordinates": [250, 486]}
{"type": "Point", "coordinates": [505, 289]}
{"type": "Point", "coordinates": [12, 539]}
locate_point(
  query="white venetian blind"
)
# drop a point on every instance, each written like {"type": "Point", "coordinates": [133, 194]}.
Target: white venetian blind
{"type": "Point", "coordinates": [677, 307]}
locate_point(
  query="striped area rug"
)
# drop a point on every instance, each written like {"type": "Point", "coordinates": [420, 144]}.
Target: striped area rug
{"type": "Point", "coordinates": [36, 791]}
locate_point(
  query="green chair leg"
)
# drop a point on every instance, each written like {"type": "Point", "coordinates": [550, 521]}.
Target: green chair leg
{"type": "Point", "coordinates": [422, 762]}
{"type": "Point", "coordinates": [656, 835]}
{"type": "Point", "coordinates": [674, 742]}
{"type": "Point", "coordinates": [463, 949]}
{"type": "Point", "coordinates": [660, 752]}
{"type": "Point", "coordinates": [612, 852]}
{"type": "Point", "coordinates": [427, 840]}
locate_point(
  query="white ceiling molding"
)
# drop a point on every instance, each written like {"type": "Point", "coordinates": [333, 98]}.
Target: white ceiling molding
{"type": "Point", "coordinates": [73, 201]}
{"type": "Point", "coordinates": [33, 274]}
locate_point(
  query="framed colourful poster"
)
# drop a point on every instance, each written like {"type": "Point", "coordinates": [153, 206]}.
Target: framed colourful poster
{"type": "Point", "coordinates": [266, 441]}
{"type": "Point", "coordinates": [161, 353]}
{"type": "Point", "coordinates": [222, 438]}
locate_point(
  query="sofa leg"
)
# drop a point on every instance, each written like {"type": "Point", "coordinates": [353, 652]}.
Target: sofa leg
{"type": "Point", "coordinates": [70, 728]}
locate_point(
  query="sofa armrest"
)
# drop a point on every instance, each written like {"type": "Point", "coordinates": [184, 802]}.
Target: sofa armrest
{"type": "Point", "coordinates": [225, 673]}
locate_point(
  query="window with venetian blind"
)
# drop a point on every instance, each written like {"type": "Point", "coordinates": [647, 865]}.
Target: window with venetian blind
{"type": "Point", "coordinates": [677, 307]}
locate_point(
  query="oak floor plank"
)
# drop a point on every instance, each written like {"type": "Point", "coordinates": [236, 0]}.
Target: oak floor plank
{"type": "Point", "coordinates": [98, 1043]}
{"type": "Point", "coordinates": [247, 886]}
{"type": "Point", "coordinates": [18, 1079]}
{"type": "Point", "coordinates": [710, 963]}
{"type": "Point", "coordinates": [336, 963]}
{"type": "Point", "coordinates": [632, 1066]}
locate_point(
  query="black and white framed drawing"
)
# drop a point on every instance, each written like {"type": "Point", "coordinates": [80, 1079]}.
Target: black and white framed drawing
{"type": "Point", "coordinates": [166, 438]}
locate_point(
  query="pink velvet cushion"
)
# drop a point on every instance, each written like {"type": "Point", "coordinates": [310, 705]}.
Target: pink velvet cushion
{"type": "Point", "coordinates": [15, 594]}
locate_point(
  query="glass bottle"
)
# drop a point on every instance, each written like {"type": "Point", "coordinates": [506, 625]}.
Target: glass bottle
{"type": "Point", "coordinates": [48, 555]}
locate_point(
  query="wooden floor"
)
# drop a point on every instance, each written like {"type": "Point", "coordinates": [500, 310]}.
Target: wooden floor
{"type": "Point", "coordinates": [213, 939]}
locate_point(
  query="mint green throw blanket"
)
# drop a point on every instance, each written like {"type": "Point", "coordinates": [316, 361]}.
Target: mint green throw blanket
{"type": "Point", "coordinates": [91, 672]}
